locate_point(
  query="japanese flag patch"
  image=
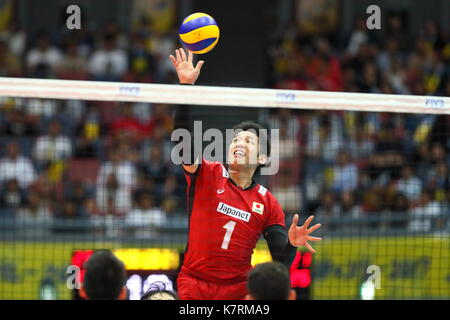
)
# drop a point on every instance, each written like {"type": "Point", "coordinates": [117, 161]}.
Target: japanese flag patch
{"type": "Point", "coordinates": [258, 207]}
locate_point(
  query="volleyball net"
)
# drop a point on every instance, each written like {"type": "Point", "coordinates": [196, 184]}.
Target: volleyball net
{"type": "Point", "coordinates": [87, 165]}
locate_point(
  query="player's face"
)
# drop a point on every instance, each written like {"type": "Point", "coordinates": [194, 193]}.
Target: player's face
{"type": "Point", "coordinates": [243, 149]}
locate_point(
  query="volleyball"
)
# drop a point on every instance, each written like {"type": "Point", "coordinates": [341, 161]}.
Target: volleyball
{"type": "Point", "coordinates": [199, 33]}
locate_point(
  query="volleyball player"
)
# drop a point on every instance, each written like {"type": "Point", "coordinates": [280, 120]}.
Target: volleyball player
{"type": "Point", "coordinates": [228, 211]}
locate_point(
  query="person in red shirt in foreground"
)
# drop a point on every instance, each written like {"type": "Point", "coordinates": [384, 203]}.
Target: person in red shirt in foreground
{"type": "Point", "coordinates": [228, 211]}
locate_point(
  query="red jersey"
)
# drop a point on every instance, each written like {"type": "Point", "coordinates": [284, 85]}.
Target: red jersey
{"type": "Point", "coordinates": [225, 223]}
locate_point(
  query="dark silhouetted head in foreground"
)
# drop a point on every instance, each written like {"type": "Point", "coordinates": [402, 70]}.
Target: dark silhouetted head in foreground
{"type": "Point", "coordinates": [270, 281]}
{"type": "Point", "coordinates": [104, 278]}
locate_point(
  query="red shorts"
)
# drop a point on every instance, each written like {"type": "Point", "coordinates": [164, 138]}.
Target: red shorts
{"type": "Point", "coordinates": [190, 288]}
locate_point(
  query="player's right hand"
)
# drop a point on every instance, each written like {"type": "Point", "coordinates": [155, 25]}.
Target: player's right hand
{"type": "Point", "coordinates": [186, 72]}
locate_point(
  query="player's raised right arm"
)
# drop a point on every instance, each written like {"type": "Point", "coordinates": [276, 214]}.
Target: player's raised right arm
{"type": "Point", "coordinates": [187, 74]}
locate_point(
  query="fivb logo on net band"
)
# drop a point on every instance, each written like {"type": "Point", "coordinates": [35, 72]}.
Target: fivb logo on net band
{"type": "Point", "coordinates": [181, 152]}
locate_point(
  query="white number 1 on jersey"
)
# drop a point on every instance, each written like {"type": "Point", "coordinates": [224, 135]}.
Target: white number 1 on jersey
{"type": "Point", "coordinates": [229, 226]}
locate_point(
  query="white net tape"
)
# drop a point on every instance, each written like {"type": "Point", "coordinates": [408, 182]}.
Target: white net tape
{"type": "Point", "coordinates": [221, 96]}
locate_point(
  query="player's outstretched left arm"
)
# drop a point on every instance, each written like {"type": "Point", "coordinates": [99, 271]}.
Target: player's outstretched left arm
{"type": "Point", "coordinates": [299, 236]}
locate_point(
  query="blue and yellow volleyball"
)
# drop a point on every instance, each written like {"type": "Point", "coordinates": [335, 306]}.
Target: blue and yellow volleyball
{"type": "Point", "coordinates": [199, 33]}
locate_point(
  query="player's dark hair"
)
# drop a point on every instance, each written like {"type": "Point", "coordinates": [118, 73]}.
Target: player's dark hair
{"type": "Point", "coordinates": [269, 281]}
{"type": "Point", "coordinates": [158, 287]}
{"type": "Point", "coordinates": [105, 276]}
{"type": "Point", "coordinates": [260, 131]}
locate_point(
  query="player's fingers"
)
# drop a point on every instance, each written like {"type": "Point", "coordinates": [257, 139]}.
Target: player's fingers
{"type": "Point", "coordinates": [190, 56]}
{"type": "Point", "coordinates": [199, 65]}
{"type": "Point", "coordinates": [177, 52]}
{"type": "Point", "coordinates": [308, 221]}
{"type": "Point", "coordinates": [314, 238]}
{"type": "Point", "coordinates": [174, 61]}
{"type": "Point", "coordinates": [295, 220]}
{"type": "Point", "coordinates": [314, 228]}
{"type": "Point", "coordinates": [183, 54]}
{"type": "Point", "coordinates": [308, 246]}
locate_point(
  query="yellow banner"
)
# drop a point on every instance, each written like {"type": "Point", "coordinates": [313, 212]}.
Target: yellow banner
{"type": "Point", "coordinates": [410, 267]}
{"type": "Point", "coordinates": [26, 267]}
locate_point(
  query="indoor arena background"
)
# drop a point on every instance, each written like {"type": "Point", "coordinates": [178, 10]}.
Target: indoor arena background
{"type": "Point", "coordinates": [378, 182]}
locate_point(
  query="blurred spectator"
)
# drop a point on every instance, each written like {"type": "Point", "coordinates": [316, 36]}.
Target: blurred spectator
{"type": "Point", "coordinates": [349, 208]}
{"type": "Point", "coordinates": [144, 185]}
{"type": "Point", "coordinates": [127, 125]}
{"type": "Point", "coordinates": [396, 77]}
{"type": "Point", "coordinates": [16, 166]}
{"type": "Point", "coordinates": [73, 65]}
{"type": "Point", "coordinates": [16, 39]}
{"type": "Point", "coordinates": [77, 193]}
{"type": "Point", "coordinates": [161, 119]}
{"type": "Point", "coordinates": [18, 123]}
{"type": "Point", "coordinates": [108, 63]}
{"type": "Point", "coordinates": [156, 167]}
{"type": "Point", "coordinates": [142, 220]}
{"type": "Point", "coordinates": [10, 65]}
{"type": "Point", "coordinates": [115, 182]}
{"type": "Point", "coordinates": [388, 159]}
{"type": "Point", "coordinates": [172, 205]}
{"type": "Point", "coordinates": [141, 62]}
{"type": "Point", "coordinates": [171, 188]}
{"type": "Point", "coordinates": [67, 210]}
{"type": "Point", "coordinates": [345, 173]}
{"type": "Point", "coordinates": [288, 193]}
{"type": "Point", "coordinates": [328, 212]}
{"type": "Point", "coordinates": [54, 146]}
{"type": "Point", "coordinates": [43, 59]}
{"type": "Point", "coordinates": [90, 208]}
{"type": "Point", "coordinates": [372, 205]}
{"type": "Point", "coordinates": [370, 79]}
{"type": "Point", "coordinates": [160, 290]}
{"type": "Point", "coordinates": [36, 216]}
{"type": "Point", "coordinates": [111, 198]}
{"type": "Point", "coordinates": [44, 108]}
{"type": "Point", "coordinates": [111, 27]}
{"type": "Point", "coordinates": [325, 68]}
{"type": "Point", "coordinates": [409, 184]}
{"type": "Point", "coordinates": [324, 136]}
{"type": "Point", "coordinates": [160, 139]}
{"type": "Point", "coordinates": [123, 170]}
{"type": "Point", "coordinates": [425, 213]}
{"type": "Point", "coordinates": [397, 212]}
{"type": "Point", "coordinates": [390, 53]}
{"type": "Point", "coordinates": [358, 36]}
{"type": "Point", "coordinates": [395, 29]}
{"type": "Point", "coordinates": [12, 198]}
{"type": "Point", "coordinates": [438, 177]}
{"type": "Point", "coordinates": [288, 119]}
{"type": "Point", "coordinates": [161, 45]}
{"type": "Point", "coordinates": [88, 133]}
{"type": "Point", "coordinates": [360, 141]}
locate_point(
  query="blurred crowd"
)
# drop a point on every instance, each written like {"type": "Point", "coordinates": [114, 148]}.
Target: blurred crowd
{"type": "Point", "coordinates": [107, 54]}
{"type": "Point", "coordinates": [108, 163]}
{"type": "Point", "coordinates": [105, 163]}
{"type": "Point", "coordinates": [390, 61]}
{"type": "Point", "coordinates": [364, 166]}
{"type": "Point", "coordinates": [376, 170]}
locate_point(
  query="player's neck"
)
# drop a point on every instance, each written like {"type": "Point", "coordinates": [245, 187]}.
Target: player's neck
{"type": "Point", "coordinates": [241, 177]}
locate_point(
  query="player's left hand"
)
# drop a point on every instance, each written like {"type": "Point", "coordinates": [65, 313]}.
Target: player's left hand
{"type": "Point", "coordinates": [299, 236]}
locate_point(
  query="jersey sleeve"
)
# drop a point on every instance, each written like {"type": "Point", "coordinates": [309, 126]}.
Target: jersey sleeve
{"type": "Point", "coordinates": [276, 214]}
{"type": "Point", "coordinates": [206, 169]}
